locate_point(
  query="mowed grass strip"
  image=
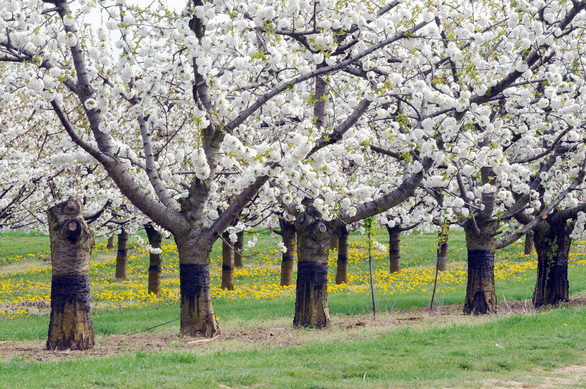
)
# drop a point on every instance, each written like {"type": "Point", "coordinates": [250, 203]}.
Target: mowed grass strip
{"type": "Point", "coordinates": [455, 356]}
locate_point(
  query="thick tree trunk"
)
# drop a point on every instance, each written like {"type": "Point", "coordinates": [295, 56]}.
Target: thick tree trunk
{"type": "Point", "coordinates": [288, 257]}
{"type": "Point", "coordinates": [197, 313]}
{"type": "Point", "coordinates": [313, 238]}
{"type": "Point", "coordinates": [480, 290]}
{"type": "Point", "coordinates": [394, 249]}
{"type": "Point", "coordinates": [529, 243]}
{"type": "Point", "coordinates": [122, 255]}
{"type": "Point", "coordinates": [442, 250]}
{"type": "Point", "coordinates": [342, 268]}
{"type": "Point", "coordinates": [227, 263]}
{"type": "Point", "coordinates": [552, 242]}
{"type": "Point", "coordinates": [110, 244]}
{"type": "Point", "coordinates": [70, 326]}
{"type": "Point", "coordinates": [238, 247]}
{"type": "Point", "coordinates": [155, 259]}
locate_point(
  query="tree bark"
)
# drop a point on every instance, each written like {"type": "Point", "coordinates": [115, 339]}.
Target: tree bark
{"type": "Point", "coordinates": [442, 250]}
{"type": "Point", "coordinates": [480, 290]}
{"type": "Point", "coordinates": [334, 242]}
{"type": "Point", "coordinates": [238, 247]}
{"type": "Point", "coordinates": [288, 257]}
{"type": "Point", "coordinates": [110, 244]}
{"type": "Point", "coordinates": [72, 241]}
{"type": "Point", "coordinates": [394, 249]}
{"type": "Point", "coordinates": [552, 242]}
{"type": "Point", "coordinates": [342, 266]}
{"type": "Point", "coordinates": [197, 313]}
{"type": "Point", "coordinates": [227, 263]}
{"type": "Point", "coordinates": [529, 243]}
{"type": "Point", "coordinates": [122, 255]}
{"type": "Point", "coordinates": [155, 259]}
{"type": "Point", "coordinates": [311, 302]}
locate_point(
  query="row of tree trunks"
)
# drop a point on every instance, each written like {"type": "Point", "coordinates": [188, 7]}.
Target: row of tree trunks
{"type": "Point", "coordinates": [72, 242]}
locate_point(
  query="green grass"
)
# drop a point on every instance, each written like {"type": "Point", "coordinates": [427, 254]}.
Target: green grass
{"type": "Point", "coordinates": [14, 243]}
{"type": "Point", "coordinates": [420, 356]}
{"type": "Point", "coordinates": [457, 355]}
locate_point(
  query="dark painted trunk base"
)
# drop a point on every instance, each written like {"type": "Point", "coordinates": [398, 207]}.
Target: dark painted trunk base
{"type": "Point", "coordinates": [155, 260]}
{"type": "Point", "coordinates": [552, 285]}
{"type": "Point", "coordinates": [311, 302]}
{"type": "Point", "coordinates": [480, 292]}
{"type": "Point", "coordinates": [197, 315]}
{"type": "Point", "coordinates": [70, 326]}
{"type": "Point", "coordinates": [227, 264]}
{"type": "Point", "coordinates": [394, 249]}
{"type": "Point", "coordinates": [342, 265]}
{"type": "Point", "coordinates": [122, 255]}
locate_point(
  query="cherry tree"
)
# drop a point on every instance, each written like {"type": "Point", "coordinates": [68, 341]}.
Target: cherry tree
{"type": "Point", "coordinates": [180, 85]}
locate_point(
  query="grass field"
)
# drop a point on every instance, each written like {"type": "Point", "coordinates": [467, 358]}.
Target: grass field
{"type": "Point", "coordinates": [404, 347]}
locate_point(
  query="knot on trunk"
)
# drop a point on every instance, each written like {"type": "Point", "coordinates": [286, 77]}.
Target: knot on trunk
{"type": "Point", "coordinates": [72, 230]}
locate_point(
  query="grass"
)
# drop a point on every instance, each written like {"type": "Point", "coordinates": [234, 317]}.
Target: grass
{"type": "Point", "coordinates": [456, 355]}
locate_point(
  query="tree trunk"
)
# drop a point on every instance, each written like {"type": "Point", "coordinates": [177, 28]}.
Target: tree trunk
{"type": "Point", "coordinates": [311, 302]}
{"type": "Point", "coordinates": [197, 313]}
{"type": "Point", "coordinates": [288, 234]}
{"type": "Point", "coordinates": [552, 242]}
{"type": "Point", "coordinates": [238, 247]}
{"type": "Point", "coordinates": [480, 291]}
{"type": "Point", "coordinates": [333, 242]}
{"type": "Point", "coordinates": [442, 249]}
{"type": "Point", "coordinates": [394, 249]}
{"type": "Point", "coordinates": [110, 244]}
{"type": "Point", "coordinates": [227, 263]}
{"type": "Point", "coordinates": [122, 255]}
{"type": "Point", "coordinates": [155, 259]}
{"type": "Point", "coordinates": [529, 243]}
{"type": "Point", "coordinates": [342, 267]}
{"type": "Point", "coordinates": [70, 326]}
